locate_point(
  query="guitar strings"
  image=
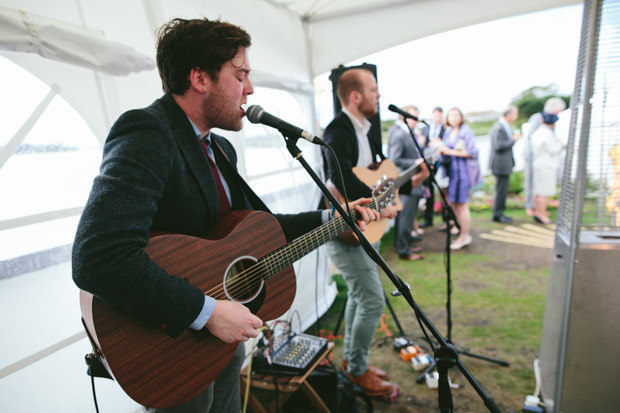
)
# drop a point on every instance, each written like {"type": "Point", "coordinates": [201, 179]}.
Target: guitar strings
{"type": "Point", "coordinates": [271, 262]}
{"type": "Point", "coordinates": [275, 265]}
{"type": "Point", "coordinates": [246, 281]}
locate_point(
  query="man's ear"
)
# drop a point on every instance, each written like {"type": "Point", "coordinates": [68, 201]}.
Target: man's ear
{"type": "Point", "coordinates": [199, 80]}
{"type": "Point", "coordinates": [355, 97]}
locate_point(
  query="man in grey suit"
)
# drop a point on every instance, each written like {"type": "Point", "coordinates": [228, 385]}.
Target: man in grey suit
{"type": "Point", "coordinates": [404, 153]}
{"type": "Point", "coordinates": [501, 160]}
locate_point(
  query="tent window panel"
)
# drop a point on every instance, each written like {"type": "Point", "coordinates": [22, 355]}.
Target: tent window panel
{"type": "Point", "coordinates": [264, 146]}
{"type": "Point", "coordinates": [21, 93]}
{"type": "Point", "coordinates": [53, 168]}
{"type": "Point", "coordinates": [271, 170]}
{"type": "Point", "coordinates": [46, 173]}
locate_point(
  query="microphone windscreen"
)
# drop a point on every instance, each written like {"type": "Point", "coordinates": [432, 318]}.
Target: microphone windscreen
{"type": "Point", "coordinates": [254, 113]}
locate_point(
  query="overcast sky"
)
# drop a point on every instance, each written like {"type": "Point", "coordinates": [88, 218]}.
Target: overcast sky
{"type": "Point", "coordinates": [478, 68]}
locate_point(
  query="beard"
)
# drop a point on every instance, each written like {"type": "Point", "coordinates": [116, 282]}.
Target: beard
{"type": "Point", "coordinates": [220, 111]}
{"type": "Point", "coordinates": [368, 109]}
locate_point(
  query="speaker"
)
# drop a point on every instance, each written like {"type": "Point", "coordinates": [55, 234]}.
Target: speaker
{"type": "Point", "coordinates": [375, 120]}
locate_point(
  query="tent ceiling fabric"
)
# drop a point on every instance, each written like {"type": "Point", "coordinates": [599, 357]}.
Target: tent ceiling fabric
{"type": "Point", "coordinates": [344, 30]}
{"type": "Point", "coordinates": [78, 45]}
{"type": "Point", "coordinates": [293, 40]}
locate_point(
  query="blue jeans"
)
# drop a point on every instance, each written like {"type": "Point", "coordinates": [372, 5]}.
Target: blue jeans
{"type": "Point", "coordinates": [365, 301]}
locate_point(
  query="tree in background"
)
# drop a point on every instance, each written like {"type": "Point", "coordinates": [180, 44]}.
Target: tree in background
{"type": "Point", "coordinates": [533, 100]}
{"type": "Point", "coordinates": [529, 101]}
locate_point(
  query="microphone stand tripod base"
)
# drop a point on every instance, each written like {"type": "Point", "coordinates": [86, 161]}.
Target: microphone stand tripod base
{"type": "Point", "coordinates": [445, 358]}
{"type": "Point", "coordinates": [422, 377]}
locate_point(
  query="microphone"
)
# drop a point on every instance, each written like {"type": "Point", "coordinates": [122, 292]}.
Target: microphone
{"type": "Point", "coordinates": [402, 112]}
{"type": "Point", "coordinates": [257, 114]}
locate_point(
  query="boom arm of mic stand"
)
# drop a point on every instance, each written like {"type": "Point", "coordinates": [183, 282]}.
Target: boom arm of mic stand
{"type": "Point", "coordinates": [291, 145]}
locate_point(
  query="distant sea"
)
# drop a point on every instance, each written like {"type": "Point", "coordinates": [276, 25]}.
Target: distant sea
{"type": "Point", "coordinates": [39, 182]}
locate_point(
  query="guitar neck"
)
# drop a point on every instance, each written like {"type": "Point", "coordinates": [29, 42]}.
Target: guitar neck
{"type": "Point", "coordinates": [407, 174]}
{"type": "Point", "coordinates": [281, 258]}
{"type": "Point", "coordinates": [278, 260]}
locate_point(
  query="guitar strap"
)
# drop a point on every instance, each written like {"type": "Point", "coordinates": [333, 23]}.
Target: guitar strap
{"type": "Point", "coordinates": [378, 151]}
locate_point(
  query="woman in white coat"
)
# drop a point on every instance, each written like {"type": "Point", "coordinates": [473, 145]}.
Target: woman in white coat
{"type": "Point", "coordinates": [546, 148]}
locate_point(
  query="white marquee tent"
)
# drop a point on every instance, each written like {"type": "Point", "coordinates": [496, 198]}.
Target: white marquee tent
{"type": "Point", "coordinates": [98, 57]}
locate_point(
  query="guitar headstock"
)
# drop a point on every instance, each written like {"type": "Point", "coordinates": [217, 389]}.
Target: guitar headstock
{"type": "Point", "coordinates": [384, 192]}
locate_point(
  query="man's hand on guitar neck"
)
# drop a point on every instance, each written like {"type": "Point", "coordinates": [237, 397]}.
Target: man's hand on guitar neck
{"type": "Point", "coordinates": [389, 212]}
{"type": "Point", "coordinates": [366, 214]}
{"type": "Point", "coordinates": [232, 322]}
{"type": "Point", "coordinates": [421, 176]}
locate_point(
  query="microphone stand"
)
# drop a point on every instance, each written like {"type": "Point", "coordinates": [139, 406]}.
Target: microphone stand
{"type": "Point", "coordinates": [446, 355]}
{"type": "Point", "coordinates": [449, 216]}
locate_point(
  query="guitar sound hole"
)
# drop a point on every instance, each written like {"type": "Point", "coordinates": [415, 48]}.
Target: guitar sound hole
{"type": "Point", "coordinates": [243, 281]}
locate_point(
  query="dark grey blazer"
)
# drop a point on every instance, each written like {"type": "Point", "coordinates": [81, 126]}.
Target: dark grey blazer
{"type": "Point", "coordinates": [404, 153]}
{"type": "Point", "coordinates": [340, 136]}
{"type": "Point", "coordinates": [154, 176]}
{"type": "Point", "coordinates": [426, 130]}
{"type": "Point", "coordinates": [501, 159]}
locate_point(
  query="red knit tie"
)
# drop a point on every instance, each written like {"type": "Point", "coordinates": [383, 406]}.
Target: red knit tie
{"type": "Point", "coordinates": [224, 204]}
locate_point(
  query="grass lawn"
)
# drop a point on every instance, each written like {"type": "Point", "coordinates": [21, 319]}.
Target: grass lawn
{"type": "Point", "coordinates": [497, 307]}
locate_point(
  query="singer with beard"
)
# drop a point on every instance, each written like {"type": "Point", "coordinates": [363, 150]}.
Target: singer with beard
{"type": "Point", "coordinates": [164, 170]}
{"type": "Point", "coordinates": [348, 136]}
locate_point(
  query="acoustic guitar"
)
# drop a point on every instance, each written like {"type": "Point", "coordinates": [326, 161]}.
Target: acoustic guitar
{"type": "Point", "coordinates": [245, 259]}
{"type": "Point", "coordinates": [385, 173]}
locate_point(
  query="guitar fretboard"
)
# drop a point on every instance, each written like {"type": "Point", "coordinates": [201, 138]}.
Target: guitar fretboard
{"type": "Point", "coordinates": [278, 260]}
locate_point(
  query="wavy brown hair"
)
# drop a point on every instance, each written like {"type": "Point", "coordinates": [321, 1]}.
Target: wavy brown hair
{"type": "Point", "coordinates": [183, 45]}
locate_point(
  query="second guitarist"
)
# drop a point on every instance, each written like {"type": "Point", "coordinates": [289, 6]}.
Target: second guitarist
{"type": "Point", "coordinates": [347, 134]}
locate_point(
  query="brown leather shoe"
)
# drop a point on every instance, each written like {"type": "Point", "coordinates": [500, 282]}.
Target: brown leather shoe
{"type": "Point", "coordinates": [373, 385]}
{"type": "Point", "coordinates": [412, 257]}
{"type": "Point", "coordinates": [374, 370]}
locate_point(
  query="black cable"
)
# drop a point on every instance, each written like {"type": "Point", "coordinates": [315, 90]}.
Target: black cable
{"type": "Point", "coordinates": [344, 189]}
{"type": "Point", "coordinates": [316, 297]}
{"type": "Point", "coordinates": [291, 321]}
{"type": "Point", "coordinates": [92, 383]}
{"type": "Point", "coordinates": [275, 385]}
